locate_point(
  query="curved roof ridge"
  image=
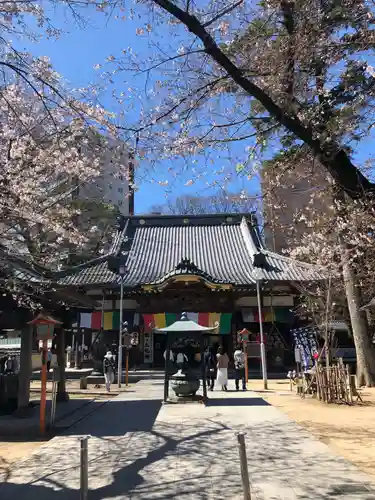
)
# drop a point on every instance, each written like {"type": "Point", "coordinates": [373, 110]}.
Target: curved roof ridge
{"type": "Point", "coordinates": [289, 259]}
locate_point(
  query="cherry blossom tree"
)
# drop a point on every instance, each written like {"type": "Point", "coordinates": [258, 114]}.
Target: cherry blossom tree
{"type": "Point", "coordinates": [46, 156]}
{"type": "Point", "coordinates": [332, 232]}
{"type": "Point", "coordinates": [261, 73]}
{"type": "Point", "coordinates": [272, 75]}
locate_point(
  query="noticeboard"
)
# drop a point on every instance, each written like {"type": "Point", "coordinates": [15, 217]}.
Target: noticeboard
{"type": "Point", "coordinates": [253, 349]}
{"type": "Point", "coordinates": [44, 332]}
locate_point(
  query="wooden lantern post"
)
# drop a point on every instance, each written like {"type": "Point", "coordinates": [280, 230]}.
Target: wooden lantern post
{"type": "Point", "coordinates": [45, 326]}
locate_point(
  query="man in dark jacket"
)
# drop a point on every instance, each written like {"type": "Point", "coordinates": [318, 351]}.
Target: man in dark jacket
{"type": "Point", "coordinates": [210, 365]}
{"type": "Point", "coordinates": [239, 366]}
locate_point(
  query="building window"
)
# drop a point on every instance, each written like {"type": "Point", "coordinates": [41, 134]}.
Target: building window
{"type": "Point", "coordinates": [120, 190]}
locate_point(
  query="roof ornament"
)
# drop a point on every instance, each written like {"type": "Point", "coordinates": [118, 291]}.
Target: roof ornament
{"type": "Point", "coordinates": [187, 265]}
{"type": "Point", "coordinates": [259, 260]}
{"type": "Point", "coordinates": [121, 222]}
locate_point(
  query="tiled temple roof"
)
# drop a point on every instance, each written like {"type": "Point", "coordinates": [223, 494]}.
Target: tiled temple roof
{"type": "Point", "coordinates": [223, 248]}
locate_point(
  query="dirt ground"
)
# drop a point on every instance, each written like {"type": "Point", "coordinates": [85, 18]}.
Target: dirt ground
{"type": "Point", "coordinates": [14, 451]}
{"type": "Point", "coordinates": [347, 430]}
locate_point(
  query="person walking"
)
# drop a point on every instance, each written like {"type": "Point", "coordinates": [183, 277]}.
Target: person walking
{"type": "Point", "coordinates": [222, 369]}
{"type": "Point", "coordinates": [239, 368]}
{"type": "Point", "coordinates": [109, 368]}
{"type": "Point", "coordinates": [210, 367]}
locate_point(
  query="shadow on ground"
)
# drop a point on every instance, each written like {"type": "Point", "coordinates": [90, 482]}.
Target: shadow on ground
{"type": "Point", "coordinates": [146, 458]}
{"type": "Point", "coordinates": [237, 402]}
{"type": "Point", "coordinates": [151, 446]}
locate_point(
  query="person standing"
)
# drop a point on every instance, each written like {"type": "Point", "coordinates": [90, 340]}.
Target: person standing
{"type": "Point", "coordinates": [210, 366]}
{"type": "Point", "coordinates": [239, 368]}
{"type": "Point", "coordinates": [171, 355]}
{"type": "Point", "coordinates": [181, 359]}
{"type": "Point", "coordinates": [109, 370]}
{"type": "Point", "coordinates": [49, 359]}
{"type": "Point", "coordinates": [222, 369]}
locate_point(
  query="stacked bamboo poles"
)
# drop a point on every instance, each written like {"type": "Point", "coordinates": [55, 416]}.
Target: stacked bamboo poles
{"type": "Point", "coordinates": [334, 384]}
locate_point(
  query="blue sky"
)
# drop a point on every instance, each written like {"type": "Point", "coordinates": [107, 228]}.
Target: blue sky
{"type": "Point", "coordinates": [74, 56]}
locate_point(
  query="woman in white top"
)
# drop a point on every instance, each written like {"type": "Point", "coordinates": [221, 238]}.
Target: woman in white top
{"type": "Point", "coordinates": [222, 369]}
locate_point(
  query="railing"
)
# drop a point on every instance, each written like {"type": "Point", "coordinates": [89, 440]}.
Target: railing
{"type": "Point", "coordinates": [16, 342]}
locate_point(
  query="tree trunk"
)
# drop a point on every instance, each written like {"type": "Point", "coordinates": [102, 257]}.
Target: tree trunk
{"type": "Point", "coordinates": [62, 395]}
{"type": "Point", "coordinates": [25, 369]}
{"type": "Point", "coordinates": [363, 343]}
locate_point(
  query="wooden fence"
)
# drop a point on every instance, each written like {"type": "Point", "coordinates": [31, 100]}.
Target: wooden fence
{"type": "Point", "coordinates": [333, 384]}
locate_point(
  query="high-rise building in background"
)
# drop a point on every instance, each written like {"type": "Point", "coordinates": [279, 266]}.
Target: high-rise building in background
{"type": "Point", "coordinates": [112, 186]}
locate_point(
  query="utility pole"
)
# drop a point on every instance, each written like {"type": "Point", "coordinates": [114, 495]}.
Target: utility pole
{"type": "Point", "coordinates": [262, 346]}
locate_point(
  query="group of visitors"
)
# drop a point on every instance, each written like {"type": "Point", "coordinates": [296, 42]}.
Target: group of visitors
{"type": "Point", "coordinates": [9, 364]}
{"type": "Point", "coordinates": [217, 368]}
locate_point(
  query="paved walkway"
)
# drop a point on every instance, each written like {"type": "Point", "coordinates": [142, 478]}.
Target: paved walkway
{"type": "Point", "coordinates": [141, 450]}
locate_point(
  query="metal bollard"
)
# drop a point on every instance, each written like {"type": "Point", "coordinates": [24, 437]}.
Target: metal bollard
{"type": "Point", "coordinates": [84, 472]}
{"type": "Point", "coordinates": [244, 469]}
{"type": "Point", "coordinates": [53, 405]}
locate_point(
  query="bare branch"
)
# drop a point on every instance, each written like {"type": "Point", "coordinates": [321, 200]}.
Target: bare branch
{"type": "Point", "coordinates": [223, 13]}
{"type": "Point", "coordinates": [332, 156]}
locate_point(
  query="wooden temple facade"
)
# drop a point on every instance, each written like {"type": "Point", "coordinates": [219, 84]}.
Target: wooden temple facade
{"type": "Point", "coordinates": [206, 266]}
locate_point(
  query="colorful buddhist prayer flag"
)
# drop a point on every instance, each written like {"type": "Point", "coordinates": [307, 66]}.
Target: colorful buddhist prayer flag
{"type": "Point", "coordinates": [248, 315]}
{"type": "Point", "coordinates": [160, 320]}
{"type": "Point", "coordinates": [193, 316]}
{"type": "Point", "coordinates": [85, 320]}
{"type": "Point", "coordinates": [96, 320]}
{"type": "Point", "coordinates": [203, 319]}
{"type": "Point", "coordinates": [225, 323]}
{"type": "Point", "coordinates": [148, 322]}
{"type": "Point", "coordinates": [269, 315]}
{"type": "Point", "coordinates": [170, 318]}
{"type": "Point", "coordinates": [214, 319]}
{"type": "Point", "coordinates": [111, 320]}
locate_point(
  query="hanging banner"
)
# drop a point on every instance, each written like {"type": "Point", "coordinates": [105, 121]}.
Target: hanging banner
{"type": "Point", "coordinates": [269, 315]}
{"type": "Point", "coordinates": [160, 320]}
{"type": "Point", "coordinates": [111, 320]}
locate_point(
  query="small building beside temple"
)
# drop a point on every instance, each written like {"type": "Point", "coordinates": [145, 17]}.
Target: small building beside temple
{"type": "Point", "coordinates": [204, 265]}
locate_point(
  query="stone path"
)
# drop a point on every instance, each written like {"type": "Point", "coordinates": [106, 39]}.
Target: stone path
{"type": "Point", "coordinates": [142, 450]}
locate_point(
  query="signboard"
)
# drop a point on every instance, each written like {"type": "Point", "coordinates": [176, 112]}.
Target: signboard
{"type": "Point", "coordinates": [297, 355]}
{"type": "Point", "coordinates": [253, 349]}
{"type": "Point", "coordinates": [126, 338]}
{"type": "Point", "coordinates": [44, 332]}
{"type": "Point", "coordinates": [148, 349]}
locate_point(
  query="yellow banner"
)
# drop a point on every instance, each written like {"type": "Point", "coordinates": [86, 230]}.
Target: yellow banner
{"type": "Point", "coordinates": [107, 324]}
{"type": "Point", "coordinates": [214, 319]}
{"type": "Point", "coordinates": [160, 320]}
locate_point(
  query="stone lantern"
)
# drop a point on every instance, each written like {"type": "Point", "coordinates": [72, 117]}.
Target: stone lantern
{"type": "Point", "coordinates": [184, 382]}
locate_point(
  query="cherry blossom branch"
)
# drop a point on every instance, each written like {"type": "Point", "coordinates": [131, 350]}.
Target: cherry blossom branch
{"type": "Point", "coordinates": [224, 12]}
{"type": "Point", "coordinates": [332, 156]}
